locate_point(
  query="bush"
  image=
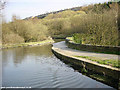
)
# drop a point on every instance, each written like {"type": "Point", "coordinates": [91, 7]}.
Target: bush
{"type": "Point", "coordinates": [77, 38]}
{"type": "Point", "coordinates": [24, 31]}
{"type": "Point", "coordinates": [12, 38]}
{"type": "Point", "coordinates": [9, 37]}
{"type": "Point", "coordinates": [101, 29]}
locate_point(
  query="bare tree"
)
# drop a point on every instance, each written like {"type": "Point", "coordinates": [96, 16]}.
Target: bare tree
{"type": "Point", "coordinates": [2, 6]}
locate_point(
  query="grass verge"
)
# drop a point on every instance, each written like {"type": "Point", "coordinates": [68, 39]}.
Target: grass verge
{"type": "Point", "coordinates": [110, 62]}
{"type": "Point", "coordinates": [70, 38]}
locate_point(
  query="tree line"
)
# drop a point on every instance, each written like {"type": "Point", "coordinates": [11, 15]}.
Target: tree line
{"type": "Point", "coordinates": [93, 24]}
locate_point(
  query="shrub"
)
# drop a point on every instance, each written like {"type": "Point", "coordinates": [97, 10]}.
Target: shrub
{"type": "Point", "coordinates": [101, 29]}
{"type": "Point", "coordinates": [24, 31]}
{"type": "Point", "coordinates": [77, 38]}
{"type": "Point", "coordinates": [9, 37]}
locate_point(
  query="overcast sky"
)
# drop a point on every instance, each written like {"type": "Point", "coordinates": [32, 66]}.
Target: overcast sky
{"type": "Point", "coordinates": [26, 8]}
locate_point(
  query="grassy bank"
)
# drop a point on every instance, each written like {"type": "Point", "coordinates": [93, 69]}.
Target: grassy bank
{"type": "Point", "coordinates": [26, 44]}
{"type": "Point", "coordinates": [110, 62]}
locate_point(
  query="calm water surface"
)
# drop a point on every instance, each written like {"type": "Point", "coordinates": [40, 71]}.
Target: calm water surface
{"type": "Point", "coordinates": [37, 67]}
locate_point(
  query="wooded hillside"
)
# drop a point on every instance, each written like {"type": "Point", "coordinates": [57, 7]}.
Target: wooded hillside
{"type": "Point", "coordinates": [94, 24]}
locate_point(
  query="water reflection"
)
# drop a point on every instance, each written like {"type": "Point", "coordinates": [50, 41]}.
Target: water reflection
{"type": "Point", "coordinates": [18, 55]}
{"type": "Point", "coordinates": [38, 67]}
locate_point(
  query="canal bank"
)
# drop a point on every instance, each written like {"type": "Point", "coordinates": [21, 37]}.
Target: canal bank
{"type": "Point", "coordinates": [104, 73]}
{"type": "Point", "coordinates": [27, 44]}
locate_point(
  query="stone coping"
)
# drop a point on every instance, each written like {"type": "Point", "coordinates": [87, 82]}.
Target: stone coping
{"type": "Point", "coordinates": [111, 73]}
{"type": "Point", "coordinates": [84, 60]}
{"type": "Point", "coordinates": [99, 68]}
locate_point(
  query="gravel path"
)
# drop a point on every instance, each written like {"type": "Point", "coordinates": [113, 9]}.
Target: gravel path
{"type": "Point", "coordinates": [63, 47]}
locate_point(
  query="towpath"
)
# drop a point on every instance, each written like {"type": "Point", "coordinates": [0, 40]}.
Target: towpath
{"type": "Point", "coordinates": [61, 46]}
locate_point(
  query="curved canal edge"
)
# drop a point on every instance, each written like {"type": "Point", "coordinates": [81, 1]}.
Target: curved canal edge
{"type": "Point", "coordinates": [103, 73]}
{"type": "Point", "coordinates": [93, 48]}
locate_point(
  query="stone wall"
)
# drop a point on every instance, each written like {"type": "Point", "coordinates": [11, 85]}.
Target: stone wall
{"type": "Point", "coordinates": [111, 75]}
{"type": "Point", "coordinates": [94, 48]}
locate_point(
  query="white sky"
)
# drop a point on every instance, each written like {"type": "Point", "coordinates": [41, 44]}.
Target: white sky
{"type": "Point", "coordinates": [26, 8]}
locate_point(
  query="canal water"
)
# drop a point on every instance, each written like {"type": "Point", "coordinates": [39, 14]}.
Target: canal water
{"type": "Point", "coordinates": [37, 67]}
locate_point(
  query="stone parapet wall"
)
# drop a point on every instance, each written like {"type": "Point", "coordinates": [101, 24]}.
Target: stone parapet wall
{"type": "Point", "coordinates": [94, 48]}
{"type": "Point", "coordinates": [94, 68]}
